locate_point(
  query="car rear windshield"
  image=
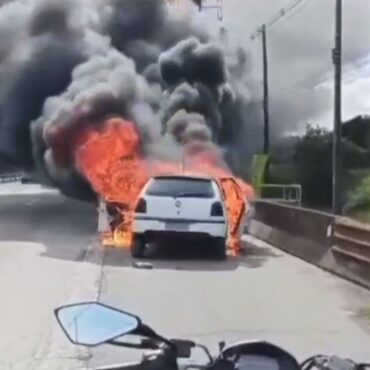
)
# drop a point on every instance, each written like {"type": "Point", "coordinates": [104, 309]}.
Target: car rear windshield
{"type": "Point", "coordinates": [181, 187]}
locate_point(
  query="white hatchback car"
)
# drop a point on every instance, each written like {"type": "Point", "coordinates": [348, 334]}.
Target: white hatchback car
{"type": "Point", "coordinates": [182, 209]}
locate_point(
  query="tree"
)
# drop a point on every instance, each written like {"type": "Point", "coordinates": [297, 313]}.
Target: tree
{"type": "Point", "coordinates": [313, 166]}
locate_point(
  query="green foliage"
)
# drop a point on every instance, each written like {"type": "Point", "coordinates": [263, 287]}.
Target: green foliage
{"type": "Point", "coordinates": [281, 174]}
{"type": "Point", "coordinates": [313, 166]}
{"type": "Point", "coordinates": [307, 160]}
{"type": "Point", "coordinates": [360, 196]}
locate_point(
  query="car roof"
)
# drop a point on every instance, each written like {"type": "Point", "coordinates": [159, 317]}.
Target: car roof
{"type": "Point", "coordinates": [185, 176]}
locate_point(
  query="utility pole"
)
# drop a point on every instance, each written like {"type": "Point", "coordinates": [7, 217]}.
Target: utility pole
{"type": "Point", "coordinates": [337, 132]}
{"type": "Point", "coordinates": [262, 31]}
{"type": "Point", "coordinates": [266, 135]}
{"type": "Point", "coordinates": [266, 118]}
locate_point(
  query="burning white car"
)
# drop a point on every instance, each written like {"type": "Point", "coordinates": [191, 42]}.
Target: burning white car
{"type": "Point", "coordinates": [182, 209]}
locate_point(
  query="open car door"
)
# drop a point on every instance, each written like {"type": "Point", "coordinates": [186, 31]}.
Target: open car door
{"type": "Point", "coordinates": [236, 210]}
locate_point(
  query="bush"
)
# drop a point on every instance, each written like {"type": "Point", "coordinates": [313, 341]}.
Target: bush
{"type": "Point", "coordinates": [307, 161]}
{"type": "Point", "coordinates": [313, 166]}
{"type": "Point", "coordinates": [360, 196]}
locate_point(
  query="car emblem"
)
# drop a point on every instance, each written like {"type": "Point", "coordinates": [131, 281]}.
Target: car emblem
{"type": "Point", "coordinates": [178, 204]}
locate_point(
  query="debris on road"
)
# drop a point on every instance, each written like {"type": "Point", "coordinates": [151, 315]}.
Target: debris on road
{"type": "Point", "coordinates": [142, 265]}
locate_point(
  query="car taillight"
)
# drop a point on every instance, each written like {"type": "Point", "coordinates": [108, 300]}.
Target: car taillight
{"type": "Point", "coordinates": [217, 209]}
{"type": "Point", "coordinates": [141, 206]}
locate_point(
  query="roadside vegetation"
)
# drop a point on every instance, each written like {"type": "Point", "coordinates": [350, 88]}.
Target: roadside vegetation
{"type": "Point", "coordinates": [307, 160]}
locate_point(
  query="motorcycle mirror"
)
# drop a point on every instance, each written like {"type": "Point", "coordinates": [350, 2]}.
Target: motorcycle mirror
{"type": "Point", "coordinates": [93, 323]}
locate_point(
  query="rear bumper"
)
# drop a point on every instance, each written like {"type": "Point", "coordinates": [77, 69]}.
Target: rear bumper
{"type": "Point", "coordinates": [147, 225]}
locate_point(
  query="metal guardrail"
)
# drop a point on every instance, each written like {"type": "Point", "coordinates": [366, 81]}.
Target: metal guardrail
{"type": "Point", "coordinates": [352, 249]}
{"type": "Point", "coordinates": [352, 239]}
{"type": "Point", "coordinates": [7, 178]}
{"type": "Point", "coordinates": [289, 193]}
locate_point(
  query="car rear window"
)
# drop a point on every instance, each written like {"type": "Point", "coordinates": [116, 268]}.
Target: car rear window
{"type": "Point", "coordinates": [181, 187]}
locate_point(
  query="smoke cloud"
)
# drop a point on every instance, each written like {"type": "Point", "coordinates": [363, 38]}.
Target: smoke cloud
{"type": "Point", "coordinates": [65, 65]}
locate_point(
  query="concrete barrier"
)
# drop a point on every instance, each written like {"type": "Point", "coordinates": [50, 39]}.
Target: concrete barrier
{"type": "Point", "coordinates": [298, 231]}
{"type": "Point", "coordinates": [315, 237]}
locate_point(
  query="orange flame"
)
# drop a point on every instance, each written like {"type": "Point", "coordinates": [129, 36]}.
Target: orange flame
{"type": "Point", "coordinates": [110, 159]}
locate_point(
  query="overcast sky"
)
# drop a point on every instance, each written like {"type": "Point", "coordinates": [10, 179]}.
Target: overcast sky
{"type": "Point", "coordinates": [300, 56]}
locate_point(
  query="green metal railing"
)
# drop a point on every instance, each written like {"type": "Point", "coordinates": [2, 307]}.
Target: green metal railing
{"type": "Point", "coordinates": [282, 193]}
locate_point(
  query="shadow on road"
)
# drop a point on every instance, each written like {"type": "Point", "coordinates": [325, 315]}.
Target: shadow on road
{"type": "Point", "coordinates": [169, 258]}
{"type": "Point", "coordinates": [230, 264]}
{"type": "Point", "coordinates": [189, 258]}
{"type": "Point", "coordinates": [63, 225]}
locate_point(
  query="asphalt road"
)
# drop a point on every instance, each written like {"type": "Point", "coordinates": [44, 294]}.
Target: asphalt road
{"type": "Point", "coordinates": [265, 294]}
{"type": "Point", "coordinates": [44, 238]}
{"type": "Point", "coordinates": [48, 257]}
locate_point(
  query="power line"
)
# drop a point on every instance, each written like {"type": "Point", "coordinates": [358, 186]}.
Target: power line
{"type": "Point", "coordinates": [283, 12]}
{"type": "Point", "coordinates": [308, 82]}
{"type": "Point", "coordinates": [316, 79]}
{"type": "Point", "coordinates": [291, 13]}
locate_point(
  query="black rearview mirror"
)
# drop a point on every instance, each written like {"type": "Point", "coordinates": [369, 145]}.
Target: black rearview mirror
{"type": "Point", "coordinates": [93, 323]}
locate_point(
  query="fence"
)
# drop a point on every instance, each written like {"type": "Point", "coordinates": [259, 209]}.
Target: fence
{"type": "Point", "coordinates": [282, 193]}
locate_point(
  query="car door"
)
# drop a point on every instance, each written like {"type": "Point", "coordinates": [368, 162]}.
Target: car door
{"type": "Point", "coordinates": [235, 204]}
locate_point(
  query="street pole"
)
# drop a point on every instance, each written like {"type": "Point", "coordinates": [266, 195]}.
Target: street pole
{"type": "Point", "coordinates": [337, 132]}
{"type": "Point", "coordinates": [266, 143]}
{"type": "Point", "coordinates": [262, 31]}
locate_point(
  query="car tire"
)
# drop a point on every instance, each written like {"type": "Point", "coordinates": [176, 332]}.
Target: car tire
{"type": "Point", "coordinates": [220, 248]}
{"type": "Point", "coordinates": [138, 247]}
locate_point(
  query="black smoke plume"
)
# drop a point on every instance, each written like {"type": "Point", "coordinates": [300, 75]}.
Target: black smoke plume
{"type": "Point", "coordinates": [67, 64]}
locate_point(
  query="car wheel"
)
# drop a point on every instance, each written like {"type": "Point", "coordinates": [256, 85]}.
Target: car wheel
{"type": "Point", "coordinates": [220, 248]}
{"type": "Point", "coordinates": [138, 247]}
